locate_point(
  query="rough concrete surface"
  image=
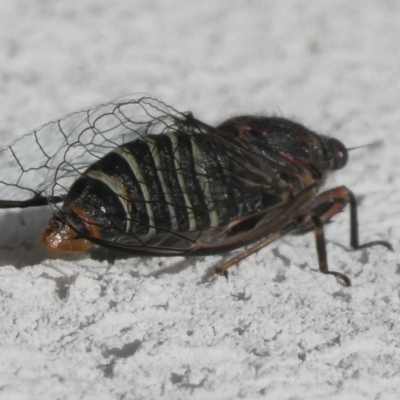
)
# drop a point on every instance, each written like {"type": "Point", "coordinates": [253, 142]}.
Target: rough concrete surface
{"type": "Point", "coordinates": [151, 328]}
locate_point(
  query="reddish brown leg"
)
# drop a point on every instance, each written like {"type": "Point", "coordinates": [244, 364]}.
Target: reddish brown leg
{"type": "Point", "coordinates": [222, 269]}
{"type": "Point", "coordinates": [329, 203]}
{"type": "Point", "coordinates": [321, 251]}
{"type": "Point", "coordinates": [325, 206]}
{"type": "Point", "coordinates": [282, 224]}
{"type": "Point", "coordinates": [313, 214]}
{"type": "Point", "coordinates": [354, 241]}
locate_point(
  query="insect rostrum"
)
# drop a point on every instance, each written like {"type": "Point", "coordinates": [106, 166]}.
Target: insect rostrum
{"type": "Point", "coordinates": [136, 175]}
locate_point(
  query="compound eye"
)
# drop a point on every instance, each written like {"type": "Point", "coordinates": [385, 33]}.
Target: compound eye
{"type": "Point", "coordinates": [339, 153]}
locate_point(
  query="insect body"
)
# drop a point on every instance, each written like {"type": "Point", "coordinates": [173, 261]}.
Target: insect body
{"type": "Point", "coordinates": [136, 175]}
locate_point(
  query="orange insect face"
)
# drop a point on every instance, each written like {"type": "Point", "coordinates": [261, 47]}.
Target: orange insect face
{"type": "Point", "coordinates": [60, 237]}
{"type": "Point", "coordinates": [70, 237]}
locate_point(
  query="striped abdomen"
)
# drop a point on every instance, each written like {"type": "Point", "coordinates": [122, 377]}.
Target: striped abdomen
{"type": "Point", "coordinates": [161, 183]}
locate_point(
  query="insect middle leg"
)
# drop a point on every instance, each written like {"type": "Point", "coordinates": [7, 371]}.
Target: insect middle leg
{"type": "Point", "coordinates": [222, 269]}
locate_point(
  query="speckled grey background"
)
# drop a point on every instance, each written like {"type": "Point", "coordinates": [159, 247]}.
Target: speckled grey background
{"type": "Point", "coordinates": [157, 328]}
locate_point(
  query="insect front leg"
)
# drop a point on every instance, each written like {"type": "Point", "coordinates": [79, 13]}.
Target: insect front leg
{"type": "Point", "coordinates": [331, 202]}
{"type": "Point", "coordinates": [324, 207]}
{"type": "Point", "coordinates": [354, 239]}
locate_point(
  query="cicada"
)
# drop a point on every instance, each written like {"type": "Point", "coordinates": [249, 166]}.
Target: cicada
{"type": "Point", "coordinates": [137, 176]}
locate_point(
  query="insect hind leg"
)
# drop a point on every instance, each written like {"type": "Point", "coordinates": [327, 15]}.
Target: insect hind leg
{"type": "Point", "coordinates": [36, 201]}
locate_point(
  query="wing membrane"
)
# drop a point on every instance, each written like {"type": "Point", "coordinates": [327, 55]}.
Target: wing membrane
{"type": "Point", "coordinates": [47, 160]}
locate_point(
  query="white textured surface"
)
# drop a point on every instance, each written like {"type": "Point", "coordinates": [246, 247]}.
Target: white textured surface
{"type": "Point", "coordinates": [157, 328]}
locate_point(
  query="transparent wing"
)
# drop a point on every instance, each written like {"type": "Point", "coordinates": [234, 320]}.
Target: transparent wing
{"type": "Point", "coordinates": [46, 161]}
